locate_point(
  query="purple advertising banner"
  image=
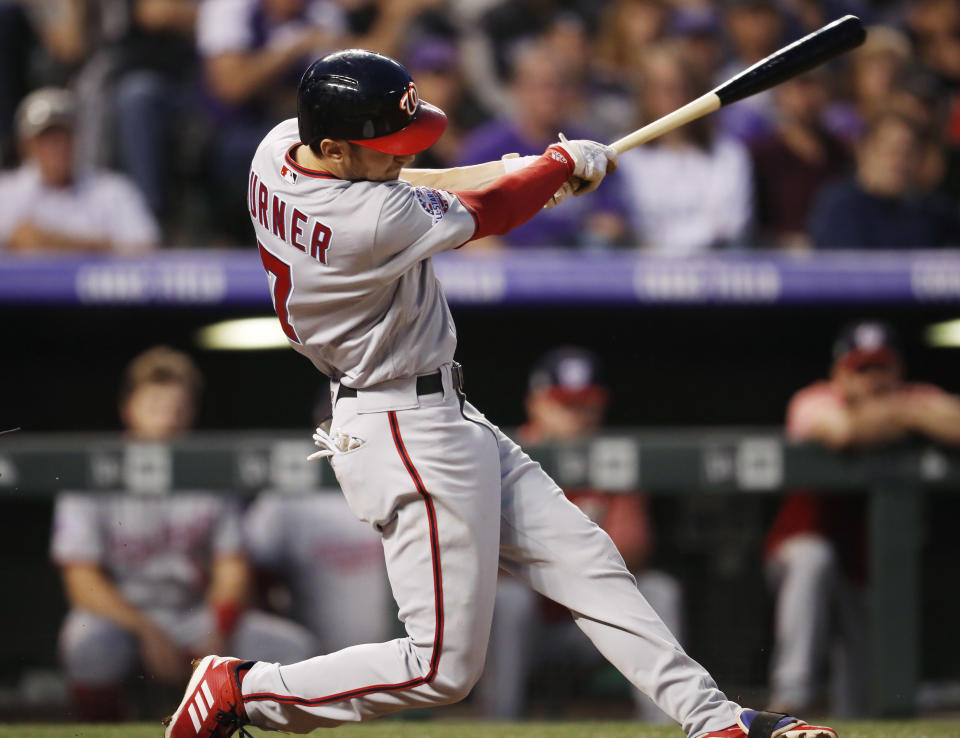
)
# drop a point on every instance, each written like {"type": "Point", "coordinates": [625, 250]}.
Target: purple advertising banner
{"type": "Point", "coordinates": [224, 278]}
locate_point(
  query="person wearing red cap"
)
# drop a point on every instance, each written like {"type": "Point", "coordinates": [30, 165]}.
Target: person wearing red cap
{"type": "Point", "coordinates": [815, 549]}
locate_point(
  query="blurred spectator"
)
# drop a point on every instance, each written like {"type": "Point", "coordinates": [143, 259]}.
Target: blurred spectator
{"type": "Point", "coordinates": [934, 27]}
{"type": "Point", "coordinates": [16, 42]}
{"type": "Point", "coordinates": [254, 53]}
{"type": "Point", "coordinates": [922, 97]}
{"type": "Point", "coordinates": [154, 91]}
{"type": "Point", "coordinates": [815, 549]}
{"type": "Point", "coordinates": [63, 28]}
{"type": "Point", "coordinates": [755, 29]}
{"type": "Point", "coordinates": [627, 28]}
{"type": "Point", "coordinates": [689, 190]}
{"type": "Point", "coordinates": [698, 35]}
{"type": "Point", "coordinates": [47, 205]}
{"type": "Point", "coordinates": [156, 579]}
{"type": "Point", "coordinates": [543, 103]}
{"type": "Point", "coordinates": [875, 68]}
{"type": "Point", "coordinates": [881, 207]}
{"type": "Point", "coordinates": [324, 565]}
{"type": "Point", "coordinates": [490, 47]}
{"type": "Point", "coordinates": [567, 401]}
{"type": "Point", "coordinates": [434, 64]}
{"type": "Point", "coordinates": [796, 161]}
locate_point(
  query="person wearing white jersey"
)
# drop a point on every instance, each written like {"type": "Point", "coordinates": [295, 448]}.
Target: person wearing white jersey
{"type": "Point", "coordinates": [47, 204]}
{"type": "Point", "coordinates": [347, 244]}
{"type": "Point", "coordinates": [154, 579]}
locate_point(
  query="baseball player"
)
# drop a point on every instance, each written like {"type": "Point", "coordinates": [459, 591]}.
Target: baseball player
{"type": "Point", "coordinates": [347, 246]}
{"type": "Point", "coordinates": [152, 578]}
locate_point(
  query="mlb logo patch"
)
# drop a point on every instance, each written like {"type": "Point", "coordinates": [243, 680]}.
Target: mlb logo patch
{"type": "Point", "coordinates": [288, 174]}
{"type": "Point", "coordinates": [434, 202]}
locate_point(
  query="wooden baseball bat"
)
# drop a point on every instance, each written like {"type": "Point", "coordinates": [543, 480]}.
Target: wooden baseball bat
{"type": "Point", "coordinates": [801, 56]}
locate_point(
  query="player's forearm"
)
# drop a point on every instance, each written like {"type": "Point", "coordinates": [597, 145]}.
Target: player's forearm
{"type": "Point", "coordinates": [473, 177]}
{"type": "Point", "coordinates": [87, 588]}
{"type": "Point", "coordinates": [229, 580]}
{"type": "Point", "coordinates": [937, 418]}
{"type": "Point", "coordinates": [515, 198]}
{"type": "Point", "coordinates": [45, 240]}
{"type": "Point", "coordinates": [873, 424]}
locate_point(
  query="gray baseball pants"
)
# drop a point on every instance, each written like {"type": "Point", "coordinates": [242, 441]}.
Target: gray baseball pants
{"type": "Point", "coordinates": [454, 499]}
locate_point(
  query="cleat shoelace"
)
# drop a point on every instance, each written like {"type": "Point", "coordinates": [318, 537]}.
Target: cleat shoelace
{"type": "Point", "coordinates": [229, 719]}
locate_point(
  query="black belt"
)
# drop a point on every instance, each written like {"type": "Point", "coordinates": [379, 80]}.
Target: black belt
{"type": "Point", "coordinates": [427, 384]}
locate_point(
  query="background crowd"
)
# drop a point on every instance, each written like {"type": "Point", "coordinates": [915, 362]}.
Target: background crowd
{"type": "Point", "coordinates": [172, 97]}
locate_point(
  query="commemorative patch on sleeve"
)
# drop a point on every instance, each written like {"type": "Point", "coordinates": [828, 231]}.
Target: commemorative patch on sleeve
{"type": "Point", "coordinates": [434, 202]}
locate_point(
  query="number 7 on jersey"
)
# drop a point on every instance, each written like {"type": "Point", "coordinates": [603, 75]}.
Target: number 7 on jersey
{"type": "Point", "coordinates": [282, 289]}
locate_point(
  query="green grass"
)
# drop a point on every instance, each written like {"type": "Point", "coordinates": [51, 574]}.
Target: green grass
{"type": "Point", "coordinates": [440, 729]}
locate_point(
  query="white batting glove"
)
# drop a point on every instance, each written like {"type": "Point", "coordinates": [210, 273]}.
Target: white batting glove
{"type": "Point", "coordinates": [331, 445]}
{"type": "Point", "coordinates": [592, 162]}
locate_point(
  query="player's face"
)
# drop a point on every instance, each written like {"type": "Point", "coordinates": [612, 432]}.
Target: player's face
{"type": "Point", "coordinates": [558, 421]}
{"type": "Point", "coordinates": [52, 152]}
{"type": "Point", "coordinates": [156, 411]}
{"type": "Point", "coordinates": [362, 163]}
{"type": "Point", "coordinates": [867, 381]}
{"type": "Point", "coordinates": [888, 160]}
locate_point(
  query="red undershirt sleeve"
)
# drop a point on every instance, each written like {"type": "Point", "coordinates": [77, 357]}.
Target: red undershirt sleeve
{"type": "Point", "coordinates": [515, 198]}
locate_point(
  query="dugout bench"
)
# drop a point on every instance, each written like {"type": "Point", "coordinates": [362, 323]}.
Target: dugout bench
{"type": "Point", "coordinates": [658, 462]}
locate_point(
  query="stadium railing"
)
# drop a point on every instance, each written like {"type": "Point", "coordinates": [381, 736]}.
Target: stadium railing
{"type": "Point", "coordinates": [662, 462]}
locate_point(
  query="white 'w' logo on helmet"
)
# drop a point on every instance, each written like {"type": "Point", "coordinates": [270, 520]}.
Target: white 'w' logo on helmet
{"type": "Point", "coordinates": [410, 99]}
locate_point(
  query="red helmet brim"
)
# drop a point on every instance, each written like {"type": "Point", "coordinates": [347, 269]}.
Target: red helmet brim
{"type": "Point", "coordinates": [420, 135]}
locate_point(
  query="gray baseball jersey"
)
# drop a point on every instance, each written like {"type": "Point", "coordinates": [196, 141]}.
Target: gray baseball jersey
{"type": "Point", "coordinates": [348, 262]}
{"type": "Point", "coordinates": [157, 551]}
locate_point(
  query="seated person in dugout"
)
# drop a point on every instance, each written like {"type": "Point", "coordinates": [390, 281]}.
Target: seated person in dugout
{"type": "Point", "coordinates": [155, 580]}
{"type": "Point", "coordinates": [816, 549]}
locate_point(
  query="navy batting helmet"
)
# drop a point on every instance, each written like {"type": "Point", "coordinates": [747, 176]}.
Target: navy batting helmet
{"type": "Point", "coordinates": [367, 99]}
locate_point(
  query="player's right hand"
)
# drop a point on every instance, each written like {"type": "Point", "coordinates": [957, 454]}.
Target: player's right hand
{"type": "Point", "coordinates": [592, 162]}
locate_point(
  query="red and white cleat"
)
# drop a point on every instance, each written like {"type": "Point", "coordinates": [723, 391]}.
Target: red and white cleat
{"type": "Point", "coordinates": [212, 706]}
{"type": "Point", "coordinates": [757, 724]}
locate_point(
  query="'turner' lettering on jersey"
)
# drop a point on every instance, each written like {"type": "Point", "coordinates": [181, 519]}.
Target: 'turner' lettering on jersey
{"type": "Point", "coordinates": [287, 223]}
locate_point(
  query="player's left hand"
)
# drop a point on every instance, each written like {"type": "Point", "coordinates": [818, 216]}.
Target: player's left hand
{"type": "Point", "coordinates": [592, 162]}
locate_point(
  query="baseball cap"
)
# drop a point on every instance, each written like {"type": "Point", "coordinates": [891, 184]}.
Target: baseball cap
{"type": "Point", "coordinates": [866, 342]}
{"type": "Point", "coordinates": [43, 109]}
{"type": "Point", "coordinates": [570, 375]}
{"type": "Point", "coordinates": [368, 99]}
